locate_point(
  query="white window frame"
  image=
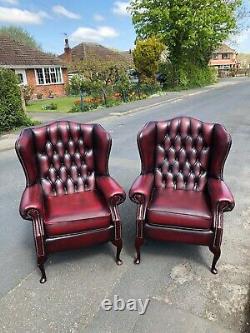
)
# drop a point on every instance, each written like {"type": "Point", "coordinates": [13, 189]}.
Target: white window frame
{"type": "Point", "coordinates": [50, 71]}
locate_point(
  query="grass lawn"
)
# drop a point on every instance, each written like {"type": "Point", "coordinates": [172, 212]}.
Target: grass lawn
{"type": "Point", "coordinates": [64, 104]}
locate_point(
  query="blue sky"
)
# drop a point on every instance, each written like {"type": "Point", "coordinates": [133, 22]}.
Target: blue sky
{"type": "Point", "coordinates": [103, 21]}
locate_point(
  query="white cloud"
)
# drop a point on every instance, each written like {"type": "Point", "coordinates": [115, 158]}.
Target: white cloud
{"type": "Point", "coordinates": [121, 8]}
{"type": "Point", "coordinates": [99, 18]}
{"type": "Point", "coordinates": [10, 2]}
{"type": "Point", "coordinates": [60, 10]}
{"type": "Point", "coordinates": [19, 16]}
{"type": "Point", "coordinates": [86, 34]}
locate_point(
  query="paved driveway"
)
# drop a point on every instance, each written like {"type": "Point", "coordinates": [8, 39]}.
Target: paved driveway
{"type": "Point", "coordinates": [184, 295]}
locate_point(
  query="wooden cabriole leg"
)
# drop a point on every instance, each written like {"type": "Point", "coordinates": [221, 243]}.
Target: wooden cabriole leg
{"type": "Point", "coordinates": [118, 244]}
{"type": "Point", "coordinates": [118, 233]}
{"type": "Point", "coordinates": [40, 263]}
{"type": "Point", "coordinates": [138, 243]}
{"type": "Point", "coordinates": [215, 248]}
{"type": "Point", "coordinates": [39, 236]}
{"type": "Point", "coordinates": [217, 253]}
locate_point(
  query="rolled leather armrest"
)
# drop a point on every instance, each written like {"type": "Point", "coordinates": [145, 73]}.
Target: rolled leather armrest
{"type": "Point", "coordinates": [111, 190]}
{"type": "Point", "coordinates": [220, 195]}
{"type": "Point", "coordinates": [140, 191]}
{"type": "Point", "coordinates": [32, 202]}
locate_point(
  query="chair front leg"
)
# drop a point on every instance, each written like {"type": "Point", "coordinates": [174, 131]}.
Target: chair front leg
{"type": "Point", "coordinates": [117, 241]}
{"type": "Point", "coordinates": [139, 240]}
{"type": "Point", "coordinates": [215, 247]}
{"type": "Point", "coordinates": [217, 252]}
{"type": "Point", "coordinates": [38, 231]}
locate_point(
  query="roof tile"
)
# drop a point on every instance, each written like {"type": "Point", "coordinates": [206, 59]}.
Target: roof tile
{"type": "Point", "coordinates": [14, 53]}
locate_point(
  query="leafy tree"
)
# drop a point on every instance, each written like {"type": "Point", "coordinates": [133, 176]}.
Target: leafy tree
{"type": "Point", "coordinates": [99, 77]}
{"type": "Point", "coordinates": [147, 55]}
{"type": "Point", "coordinates": [123, 85]}
{"type": "Point", "coordinates": [11, 112]}
{"type": "Point", "coordinates": [20, 35]}
{"type": "Point", "coordinates": [191, 29]}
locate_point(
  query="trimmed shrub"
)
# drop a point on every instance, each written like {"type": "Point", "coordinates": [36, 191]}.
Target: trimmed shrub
{"type": "Point", "coordinates": [113, 102]}
{"type": "Point", "coordinates": [90, 102]}
{"type": "Point", "coordinates": [85, 107]}
{"type": "Point", "coordinates": [11, 112]}
{"type": "Point", "coordinates": [147, 89]}
{"type": "Point", "coordinates": [50, 106]}
{"type": "Point", "coordinates": [77, 108]}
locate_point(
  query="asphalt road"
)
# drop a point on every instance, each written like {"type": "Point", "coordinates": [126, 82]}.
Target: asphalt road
{"type": "Point", "coordinates": [184, 295]}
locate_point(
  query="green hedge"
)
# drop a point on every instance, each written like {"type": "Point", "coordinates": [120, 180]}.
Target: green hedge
{"type": "Point", "coordinates": [187, 76]}
{"type": "Point", "coordinates": [11, 112]}
{"type": "Point", "coordinates": [192, 76]}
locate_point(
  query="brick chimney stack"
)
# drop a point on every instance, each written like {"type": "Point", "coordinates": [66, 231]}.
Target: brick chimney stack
{"type": "Point", "coordinates": [67, 52]}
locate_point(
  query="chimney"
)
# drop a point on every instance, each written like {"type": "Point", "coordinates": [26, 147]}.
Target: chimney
{"type": "Point", "coordinates": [67, 52]}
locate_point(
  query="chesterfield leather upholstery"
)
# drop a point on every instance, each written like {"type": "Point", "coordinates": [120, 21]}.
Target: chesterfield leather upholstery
{"type": "Point", "coordinates": [69, 196]}
{"type": "Point", "coordinates": [181, 195]}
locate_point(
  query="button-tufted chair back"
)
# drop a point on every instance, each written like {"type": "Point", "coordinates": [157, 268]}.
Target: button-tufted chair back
{"type": "Point", "coordinates": [64, 156]}
{"type": "Point", "coordinates": [183, 152]}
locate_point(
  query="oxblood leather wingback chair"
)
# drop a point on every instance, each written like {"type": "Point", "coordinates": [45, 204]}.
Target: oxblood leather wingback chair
{"type": "Point", "coordinates": [69, 195]}
{"type": "Point", "coordinates": [180, 193]}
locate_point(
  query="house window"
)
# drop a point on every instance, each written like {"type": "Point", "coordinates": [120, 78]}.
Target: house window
{"type": "Point", "coordinates": [215, 56]}
{"type": "Point", "coordinates": [49, 75]}
{"type": "Point", "coordinates": [58, 74]}
{"type": "Point", "coordinates": [53, 75]}
{"type": "Point", "coordinates": [20, 78]}
{"type": "Point", "coordinates": [40, 77]}
{"type": "Point", "coordinates": [225, 56]}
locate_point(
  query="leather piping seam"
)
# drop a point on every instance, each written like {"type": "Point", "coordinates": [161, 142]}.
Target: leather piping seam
{"type": "Point", "coordinates": [160, 226]}
{"type": "Point", "coordinates": [184, 214]}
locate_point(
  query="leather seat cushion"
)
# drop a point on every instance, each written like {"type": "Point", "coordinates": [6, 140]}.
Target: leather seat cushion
{"type": "Point", "coordinates": [180, 208]}
{"type": "Point", "coordinates": [75, 213]}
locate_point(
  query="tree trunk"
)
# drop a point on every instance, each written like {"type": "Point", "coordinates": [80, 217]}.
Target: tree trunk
{"type": "Point", "coordinates": [105, 97]}
{"type": "Point", "coordinates": [23, 101]}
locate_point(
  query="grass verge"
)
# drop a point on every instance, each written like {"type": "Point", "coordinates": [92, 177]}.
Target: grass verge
{"type": "Point", "coordinates": [64, 104]}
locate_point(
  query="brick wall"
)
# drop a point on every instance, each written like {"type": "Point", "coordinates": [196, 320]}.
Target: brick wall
{"type": "Point", "coordinates": [57, 89]}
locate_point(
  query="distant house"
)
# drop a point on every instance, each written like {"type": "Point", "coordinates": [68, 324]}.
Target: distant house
{"type": "Point", "coordinates": [46, 73]}
{"type": "Point", "coordinates": [88, 51]}
{"type": "Point", "coordinates": [224, 58]}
